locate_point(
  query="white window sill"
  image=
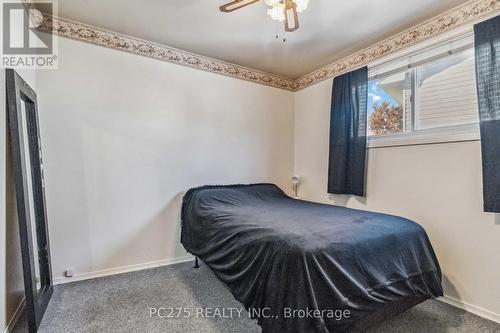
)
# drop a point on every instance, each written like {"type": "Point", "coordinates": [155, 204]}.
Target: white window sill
{"type": "Point", "coordinates": [469, 132]}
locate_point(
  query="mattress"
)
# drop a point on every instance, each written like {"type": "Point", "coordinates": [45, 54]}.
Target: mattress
{"type": "Point", "coordinates": [300, 266]}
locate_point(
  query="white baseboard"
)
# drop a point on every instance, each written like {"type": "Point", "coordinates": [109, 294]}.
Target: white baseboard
{"type": "Point", "coordinates": [132, 268]}
{"type": "Point", "coordinates": [471, 308]}
{"type": "Point", "coordinates": [120, 270]}
{"type": "Point", "coordinates": [15, 317]}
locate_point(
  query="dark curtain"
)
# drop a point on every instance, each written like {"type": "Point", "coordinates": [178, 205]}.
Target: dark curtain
{"type": "Point", "coordinates": [487, 45]}
{"type": "Point", "coordinates": [346, 172]}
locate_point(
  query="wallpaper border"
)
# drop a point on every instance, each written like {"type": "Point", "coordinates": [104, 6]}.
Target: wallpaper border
{"type": "Point", "coordinates": [456, 17]}
{"type": "Point", "coordinates": [86, 33]}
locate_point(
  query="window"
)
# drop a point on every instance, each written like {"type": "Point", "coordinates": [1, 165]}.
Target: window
{"type": "Point", "coordinates": [425, 94]}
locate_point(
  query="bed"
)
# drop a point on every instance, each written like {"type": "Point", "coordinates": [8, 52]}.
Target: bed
{"type": "Point", "coordinates": [300, 266]}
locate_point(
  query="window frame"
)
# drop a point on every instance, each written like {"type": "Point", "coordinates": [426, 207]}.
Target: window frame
{"type": "Point", "coordinates": [409, 60]}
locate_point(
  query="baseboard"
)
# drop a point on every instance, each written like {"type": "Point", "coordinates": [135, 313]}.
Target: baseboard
{"type": "Point", "coordinates": [132, 268]}
{"type": "Point", "coordinates": [15, 317]}
{"type": "Point", "coordinates": [471, 308]}
{"type": "Point", "coordinates": [121, 270]}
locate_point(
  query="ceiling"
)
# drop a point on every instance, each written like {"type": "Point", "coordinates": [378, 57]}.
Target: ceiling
{"type": "Point", "coordinates": [330, 29]}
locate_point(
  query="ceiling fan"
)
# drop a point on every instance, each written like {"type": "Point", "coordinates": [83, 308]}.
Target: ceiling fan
{"type": "Point", "coordinates": [282, 10]}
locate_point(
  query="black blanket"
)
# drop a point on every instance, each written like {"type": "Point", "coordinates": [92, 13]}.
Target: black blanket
{"type": "Point", "coordinates": [306, 267]}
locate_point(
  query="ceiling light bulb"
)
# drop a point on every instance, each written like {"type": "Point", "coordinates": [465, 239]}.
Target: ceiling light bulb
{"type": "Point", "coordinates": [301, 5]}
{"type": "Point", "coordinates": [276, 13]}
{"type": "Point", "coordinates": [273, 3]}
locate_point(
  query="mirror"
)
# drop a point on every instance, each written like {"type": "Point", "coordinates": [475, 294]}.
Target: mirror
{"type": "Point", "coordinates": [23, 126]}
{"type": "Point", "coordinates": [27, 166]}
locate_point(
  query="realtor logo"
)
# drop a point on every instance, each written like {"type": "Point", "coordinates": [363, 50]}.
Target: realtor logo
{"type": "Point", "coordinates": [23, 44]}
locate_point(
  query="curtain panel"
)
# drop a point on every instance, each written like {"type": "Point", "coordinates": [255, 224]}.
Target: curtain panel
{"type": "Point", "coordinates": [346, 171]}
{"type": "Point", "coordinates": [487, 51]}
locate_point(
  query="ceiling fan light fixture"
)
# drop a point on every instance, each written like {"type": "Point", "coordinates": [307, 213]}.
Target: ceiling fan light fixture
{"type": "Point", "coordinates": [281, 10]}
{"type": "Point", "coordinates": [301, 4]}
{"type": "Point", "coordinates": [277, 12]}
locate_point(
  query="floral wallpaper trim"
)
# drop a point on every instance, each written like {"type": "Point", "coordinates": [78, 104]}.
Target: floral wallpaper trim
{"type": "Point", "coordinates": [466, 13]}
{"type": "Point", "coordinates": [93, 35]}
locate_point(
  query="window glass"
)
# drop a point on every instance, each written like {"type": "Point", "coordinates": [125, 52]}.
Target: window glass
{"type": "Point", "coordinates": [446, 92]}
{"type": "Point", "coordinates": [389, 104]}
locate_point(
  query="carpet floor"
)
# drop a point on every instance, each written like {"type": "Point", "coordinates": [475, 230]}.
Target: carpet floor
{"type": "Point", "coordinates": [127, 303]}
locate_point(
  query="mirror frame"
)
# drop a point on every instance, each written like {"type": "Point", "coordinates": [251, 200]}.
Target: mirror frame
{"type": "Point", "coordinates": [18, 91]}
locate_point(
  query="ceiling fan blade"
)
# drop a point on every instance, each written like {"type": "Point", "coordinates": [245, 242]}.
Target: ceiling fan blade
{"type": "Point", "coordinates": [291, 16]}
{"type": "Point", "coordinates": [236, 4]}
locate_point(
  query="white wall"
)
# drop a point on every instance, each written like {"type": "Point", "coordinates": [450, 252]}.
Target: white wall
{"type": "Point", "coordinates": [124, 136]}
{"type": "Point", "coordinates": [438, 186]}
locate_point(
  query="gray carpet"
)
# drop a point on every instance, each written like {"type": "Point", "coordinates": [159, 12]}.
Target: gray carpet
{"type": "Point", "coordinates": [121, 303]}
